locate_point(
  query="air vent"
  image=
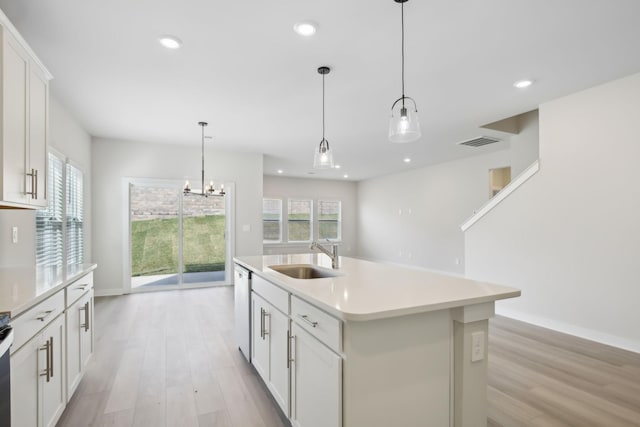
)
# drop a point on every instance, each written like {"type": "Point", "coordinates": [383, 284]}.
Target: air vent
{"type": "Point", "coordinates": [479, 141]}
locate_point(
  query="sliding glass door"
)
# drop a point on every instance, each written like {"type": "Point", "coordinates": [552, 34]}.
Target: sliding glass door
{"type": "Point", "coordinates": [175, 240]}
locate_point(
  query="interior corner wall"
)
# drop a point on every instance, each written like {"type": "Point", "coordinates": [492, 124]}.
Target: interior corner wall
{"type": "Point", "coordinates": [345, 191]}
{"type": "Point", "coordinates": [115, 160]}
{"type": "Point", "coordinates": [570, 236]}
{"type": "Point", "coordinates": [414, 217]}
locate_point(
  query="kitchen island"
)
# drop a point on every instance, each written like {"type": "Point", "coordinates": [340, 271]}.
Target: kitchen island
{"type": "Point", "coordinates": [373, 344]}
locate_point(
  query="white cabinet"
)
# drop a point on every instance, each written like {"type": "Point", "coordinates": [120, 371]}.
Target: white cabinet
{"type": "Point", "coordinates": [79, 339]}
{"type": "Point", "coordinates": [270, 348]}
{"type": "Point", "coordinates": [52, 345]}
{"type": "Point", "coordinates": [297, 357]}
{"type": "Point", "coordinates": [37, 378]}
{"type": "Point", "coordinates": [24, 97]}
{"type": "Point", "coordinates": [316, 382]}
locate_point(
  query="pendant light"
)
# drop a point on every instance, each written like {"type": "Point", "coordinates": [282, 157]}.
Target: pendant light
{"type": "Point", "coordinates": [323, 158]}
{"type": "Point", "coordinates": [209, 190]}
{"type": "Point", "coordinates": [404, 125]}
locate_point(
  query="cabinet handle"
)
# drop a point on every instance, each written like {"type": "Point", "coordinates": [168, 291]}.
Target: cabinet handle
{"type": "Point", "coordinates": [45, 315]}
{"type": "Point", "coordinates": [289, 348]}
{"type": "Point", "coordinates": [32, 193]}
{"type": "Point", "coordinates": [85, 308]}
{"type": "Point", "coordinates": [306, 319]}
{"type": "Point", "coordinates": [266, 314]}
{"type": "Point", "coordinates": [47, 370]}
{"type": "Point", "coordinates": [35, 179]}
{"type": "Point", "coordinates": [51, 353]}
{"type": "Point", "coordinates": [262, 323]}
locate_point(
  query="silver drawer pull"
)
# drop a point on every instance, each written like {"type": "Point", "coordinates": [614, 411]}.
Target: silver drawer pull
{"type": "Point", "coordinates": [306, 319]}
{"type": "Point", "coordinates": [45, 315]}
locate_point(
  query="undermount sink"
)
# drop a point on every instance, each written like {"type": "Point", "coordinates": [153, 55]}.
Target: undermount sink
{"type": "Point", "coordinates": [304, 271]}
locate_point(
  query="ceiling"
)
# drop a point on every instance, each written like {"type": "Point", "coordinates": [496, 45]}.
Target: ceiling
{"type": "Point", "coordinates": [244, 70]}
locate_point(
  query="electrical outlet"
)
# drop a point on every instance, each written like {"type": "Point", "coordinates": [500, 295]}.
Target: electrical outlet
{"type": "Point", "coordinates": [477, 346]}
{"type": "Point", "coordinates": [14, 234]}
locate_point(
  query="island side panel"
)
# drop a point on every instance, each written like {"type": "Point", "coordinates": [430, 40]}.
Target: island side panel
{"type": "Point", "coordinates": [471, 370]}
{"type": "Point", "coordinates": [397, 371]}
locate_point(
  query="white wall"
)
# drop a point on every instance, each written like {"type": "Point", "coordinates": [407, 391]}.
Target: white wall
{"type": "Point", "coordinates": [114, 160]}
{"type": "Point", "coordinates": [570, 236]}
{"type": "Point", "coordinates": [23, 253]}
{"type": "Point", "coordinates": [345, 191]}
{"type": "Point", "coordinates": [414, 217]}
{"type": "Point", "coordinates": [69, 138]}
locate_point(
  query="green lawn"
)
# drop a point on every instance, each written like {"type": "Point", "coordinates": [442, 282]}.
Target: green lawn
{"type": "Point", "coordinates": [154, 245]}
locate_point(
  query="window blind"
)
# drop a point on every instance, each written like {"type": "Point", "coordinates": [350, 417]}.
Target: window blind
{"type": "Point", "coordinates": [329, 219]}
{"type": "Point", "coordinates": [49, 237]}
{"type": "Point", "coordinates": [75, 216]}
{"type": "Point", "coordinates": [272, 220]}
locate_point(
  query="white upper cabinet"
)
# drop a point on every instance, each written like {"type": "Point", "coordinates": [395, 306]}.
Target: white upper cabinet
{"type": "Point", "coordinates": [24, 120]}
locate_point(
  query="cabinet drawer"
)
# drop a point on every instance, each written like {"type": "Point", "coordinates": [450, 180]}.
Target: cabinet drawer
{"type": "Point", "coordinates": [33, 321]}
{"type": "Point", "coordinates": [276, 296]}
{"type": "Point", "coordinates": [321, 325]}
{"type": "Point", "coordinates": [78, 288]}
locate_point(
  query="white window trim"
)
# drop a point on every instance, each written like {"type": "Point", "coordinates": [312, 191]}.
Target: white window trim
{"type": "Point", "coordinates": [315, 228]}
{"type": "Point", "coordinates": [339, 239]}
{"type": "Point", "coordinates": [281, 221]}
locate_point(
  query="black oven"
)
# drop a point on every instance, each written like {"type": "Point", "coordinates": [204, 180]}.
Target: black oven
{"type": "Point", "coordinates": [6, 339]}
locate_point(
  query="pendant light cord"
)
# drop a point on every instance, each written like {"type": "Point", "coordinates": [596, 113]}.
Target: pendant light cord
{"type": "Point", "coordinates": [202, 177]}
{"type": "Point", "coordinates": [402, 21]}
{"type": "Point", "coordinates": [323, 107]}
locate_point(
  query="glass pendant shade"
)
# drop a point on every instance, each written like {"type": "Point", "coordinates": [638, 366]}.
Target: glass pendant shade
{"type": "Point", "coordinates": [404, 125]}
{"type": "Point", "coordinates": [323, 158]}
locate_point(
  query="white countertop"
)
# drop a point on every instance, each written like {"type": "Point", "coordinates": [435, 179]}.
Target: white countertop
{"type": "Point", "coordinates": [368, 290]}
{"type": "Point", "coordinates": [23, 287]}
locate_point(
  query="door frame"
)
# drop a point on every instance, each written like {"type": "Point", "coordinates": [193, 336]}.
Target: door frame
{"type": "Point", "coordinates": [126, 234]}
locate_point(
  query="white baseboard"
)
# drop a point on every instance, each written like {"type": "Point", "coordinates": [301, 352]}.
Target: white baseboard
{"type": "Point", "coordinates": [588, 334]}
{"type": "Point", "coordinates": [107, 292]}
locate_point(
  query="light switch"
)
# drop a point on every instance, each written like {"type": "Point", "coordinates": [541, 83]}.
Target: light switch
{"type": "Point", "coordinates": [246, 227]}
{"type": "Point", "coordinates": [14, 234]}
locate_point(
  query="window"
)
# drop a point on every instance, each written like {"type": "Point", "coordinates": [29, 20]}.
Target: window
{"type": "Point", "coordinates": [300, 220]}
{"type": "Point", "coordinates": [74, 216]}
{"type": "Point", "coordinates": [59, 227]}
{"type": "Point", "coordinates": [49, 237]}
{"type": "Point", "coordinates": [329, 219]}
{"type": "Point", "coordinates": [272, 220]}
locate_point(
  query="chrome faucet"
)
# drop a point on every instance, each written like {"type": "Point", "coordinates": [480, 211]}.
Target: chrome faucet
{"type": "Point", "coordinates": [333, 253]}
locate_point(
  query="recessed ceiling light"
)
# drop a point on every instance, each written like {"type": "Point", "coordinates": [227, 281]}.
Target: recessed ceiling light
{"type": "Point", "coordinates": [407, 160]}
{"type": "Point", "coordinates": [306, 28]}
{"type": "Point", "coordinates": [346, 176]}
{"type": "Point", "coordinates": [170, 42]}
{"type": "Point", "coordinates": [337, 166]}
{"type": "Point", "coordinates": [521, 84]}
{"type": "Point", "coordinates": [280, 171]}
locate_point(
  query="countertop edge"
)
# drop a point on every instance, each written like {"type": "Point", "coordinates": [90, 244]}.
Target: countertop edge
{"type": "Point", "coordinates": [361, 317]}
{"type": "Point", "coordinates": [20, 310]}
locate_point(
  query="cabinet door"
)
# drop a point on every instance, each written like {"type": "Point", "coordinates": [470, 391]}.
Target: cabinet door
{"type": "Point", "coordinates": [53, 391]}
{"type": "Point", "coordinates": [259, 337]}
{"type": "Point", "coordinates": [74, 338]}
{"type": "Point", "coordinates": [278, 366]}
{"type": "Point", "coordinates": [316, 383]}
{"type": "Point", "coordinates": [15, 68]}
{"type": "Point", "coordinates": [38, 125]}
{"type": "Point", "coordinates": [26, 366]}
{"type": "Point", "coordinates": [86, 329]}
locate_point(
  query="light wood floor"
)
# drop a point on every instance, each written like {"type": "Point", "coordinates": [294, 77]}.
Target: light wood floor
{"type": "Point", "coordinates": [169, 359]}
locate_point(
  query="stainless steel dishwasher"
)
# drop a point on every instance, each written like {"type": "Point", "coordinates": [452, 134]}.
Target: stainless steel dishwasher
{"type": "Point", "coordinates": [242, 284]}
